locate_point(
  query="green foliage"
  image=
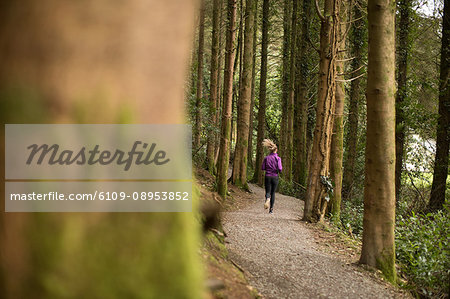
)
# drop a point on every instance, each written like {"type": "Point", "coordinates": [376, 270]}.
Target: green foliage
{"type": "Point", "coordinates": [290, 188]}
{"type": "Point", "coordinates": [352, 212]}
{"type": "Point", "coordinates": [423, 250]}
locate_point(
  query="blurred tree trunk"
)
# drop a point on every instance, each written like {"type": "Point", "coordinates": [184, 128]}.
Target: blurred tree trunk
{"type": "Point", "coordinates": [224, 151]}
{"type": "Point", "coordinates": [259, 175]}
{"type": "Point", "coordinates": [287, 165]}
{"type": "Point", "coordinates": [199, 95]}
{"type": "Point", "coordinates": [315, 203]}
{"type": "Point", "coordinates": [378, 247]}
{"type": "Point", "coordinates": [243, 118]}
{"type": "Point", "coordinates": [404, 6]}
{"type": "Point", "coordinates": [252, 96]}
{"type": "Point", "coordinates": [441, 161]}
{"type": "Point", "coordinates": [96, 62]}
{"type": "Point", "coordinates": [357, 37]}
{"type": "Point", "coordinates": [214, 76]}
{"type": "Point", "coordinates": [301, 98]}
{"type": "Point", "coordinates": [337, 142]}
{"type": "Point", "coordinates": [287, 20]}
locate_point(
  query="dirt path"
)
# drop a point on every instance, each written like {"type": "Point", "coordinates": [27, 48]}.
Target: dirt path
{"type": "Point", "coordinates": [282, 259]}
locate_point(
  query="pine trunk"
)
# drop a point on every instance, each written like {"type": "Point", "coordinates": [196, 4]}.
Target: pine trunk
{"type": "Point", "coordinates": [440, 174]}
{"type": "Point", "coordinates": [259, 175]}
{"type": "Point", "coordinates": [287, 171]}
{"type": "Point", "coordinates": [404, 7]}
{"type": "Point", "coordinates": [224, 150]}
{"type": "Point", "coordinates": [287, 14]}
{"type": "Point", "coordinates": [214, 76]}
{"type": "Point", "coordinates": [337, 142]}
{"type": "Point", "coordinates": [199, 94]}
{"type": "Point", "coordinates": [301, 98]}
{"type": "Point", "coordinates": [241, 150]}
{"type": "Point", "coordinates": [378, 247]}
{"type": "Point", "coordinates": [315, 203]}
{"type": "Point", "coordinates": [357, 37]}
{"type": "Point", "coordinates": [252, 96]}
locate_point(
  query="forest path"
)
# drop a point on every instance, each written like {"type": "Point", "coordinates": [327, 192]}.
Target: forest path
{"type": "Point", "coordinates": [282, 260]}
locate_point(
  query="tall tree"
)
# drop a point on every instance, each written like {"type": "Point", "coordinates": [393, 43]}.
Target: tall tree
{"type": "Point", "coordinates": [316, 192]}
{"type": "Point", "coordinates": [219, 81]}
{"type": "Point", "coordinates": [357, 38]}
{"type": "Point", "coordinates": [301, 96]}
{"type": "Point", "coordinates": [252, 96]}
{"type": "Point", "coordinates": [404, 7]}
{"type": "Point", "coordinates": [258, 175]}
{"type": "Point", "coordinates": [224, 150]}
{"type": "Point", "coordinates": [199, 94]}
{"type": "Point", "coordinates": [378, 247]}
{"type": "Point", "coordinates": [214, 77]}
{"type": "Point", "coordinates": [243, 120]}
{"type": "Point", "coordinates": [441, 161]}
{"type": "Point", "coordinates": [286, 63]}
{"type": "Point", "coordinates": [287, 171]}
{"type": "Point", "coordinates": [337, 142]}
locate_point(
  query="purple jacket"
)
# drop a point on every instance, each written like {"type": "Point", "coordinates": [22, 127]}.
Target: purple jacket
{"type": "Point", "coordinates": [272, 165]}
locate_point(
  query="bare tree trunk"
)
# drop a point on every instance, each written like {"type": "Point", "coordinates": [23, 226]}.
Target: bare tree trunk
{"type": "Point", "coordinates": [378, 247]}
{"type": "Point", "coordinates": [199, 95]}
{"type": "Point", "coordinates": [357, 37]}
{"type": "Point", "coordinates": [301, 97]}
{"type": "Point", "coordinates": [240, 154]}
{"type": "Point", "coordinates": [258, 175]}
{"type": "Point", "coordinates": [315, 203]}
{"type": "Point", "coordinates": [252, 96]}
{"type": "Point", "coordinates": [287, 171]}
{"type": "Point", "coordinates": [219, 85]}
{"type": "Point", "coordinates": [337, 143]}
{"type": "Point", "coordinates": [214, 76]}
{"type": "Point", "coordinates": [224, 151]}
{"type": "Point", "coordinates": [287, 14]}
{"type": "Point", "coordinates": [440, 174]}
{"type": "Point", "coordinates": [404, 7]}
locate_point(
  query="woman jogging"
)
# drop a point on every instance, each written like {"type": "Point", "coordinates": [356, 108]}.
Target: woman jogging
{"type": "Point", "coordinates": [272, 166]}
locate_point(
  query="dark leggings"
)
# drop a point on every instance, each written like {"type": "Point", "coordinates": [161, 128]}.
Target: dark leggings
{"type": "Point", "coordinates": [271, 183]}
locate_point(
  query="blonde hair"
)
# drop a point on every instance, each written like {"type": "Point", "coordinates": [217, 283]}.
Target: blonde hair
{"type": "Point", "coordinates": [270, 145]}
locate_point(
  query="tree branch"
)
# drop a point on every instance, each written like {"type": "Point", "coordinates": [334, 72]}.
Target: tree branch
{"type": "Point", "coordinates": [319, 13]}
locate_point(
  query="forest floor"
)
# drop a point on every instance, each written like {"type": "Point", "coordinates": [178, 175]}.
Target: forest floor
{"type": "Point", "coordinates": [283, 257]}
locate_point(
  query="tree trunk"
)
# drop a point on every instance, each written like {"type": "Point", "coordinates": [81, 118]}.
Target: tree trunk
{"type": "Point", "coordinates": [404, 7]}
{"type": "Point", "coordinates": [441, 161]}
{"type": "Point", "coordinates": [214, 76]}
{"type": "Point", "coordinates": [378, 248]}
{"type": "Point", "coordinates": [199, 95]}
{"type": "Point", "coordinates": [110, 63]}
{"type": "Point", "coordinates": [258, 175]}
{"type": "Point", "coordinates": [241, 150]}
{"type": "Point", "coordinates": [357, 37]}
{"type": "Point", "coordinates": [287, 171]}
{"type": "Point", "coordinates": [287, 14]}
{"type": "Point", "coordinates": [315, 203]}
{"type": "Point", "coordinates": [337, 142]}
{"type": "Point", "coordinates": [252, 96]}
{"type": "Point", "coordinates": [224, 151]}
{"type": "Point", "coordinates": [219, 85]}
{"type": "Point", "coordinates": [301, 97]}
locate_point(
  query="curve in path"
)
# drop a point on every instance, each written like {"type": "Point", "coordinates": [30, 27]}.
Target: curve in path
{"type": "Point", "coordinates": [282, 258]}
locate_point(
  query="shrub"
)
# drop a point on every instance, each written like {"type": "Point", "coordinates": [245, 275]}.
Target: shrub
{"type": "Point", "coordinates": [423, 251]}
